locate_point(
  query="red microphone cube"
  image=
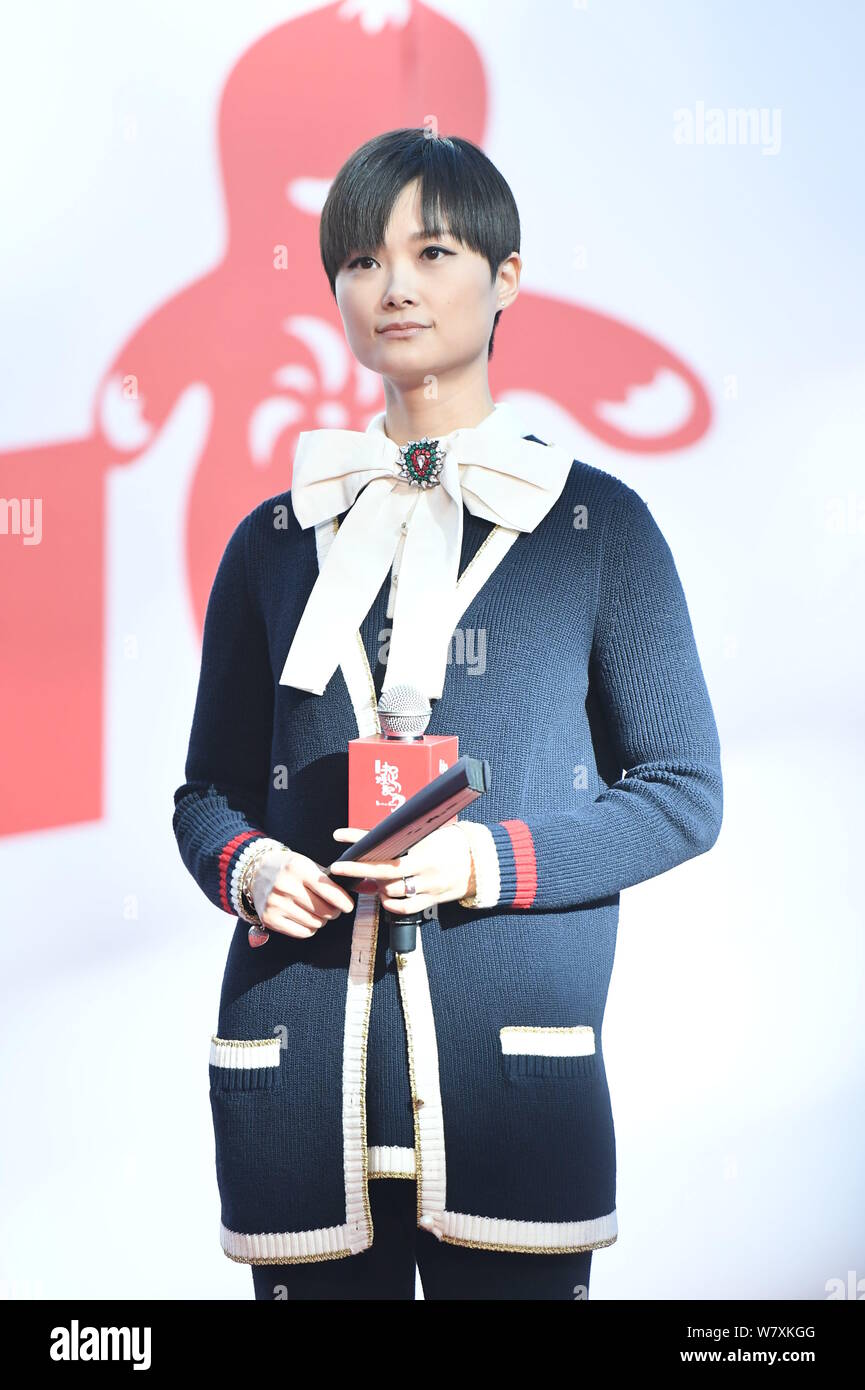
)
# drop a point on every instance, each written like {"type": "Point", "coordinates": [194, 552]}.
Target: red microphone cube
{"type": "Point", "coordinates": [385, 772]}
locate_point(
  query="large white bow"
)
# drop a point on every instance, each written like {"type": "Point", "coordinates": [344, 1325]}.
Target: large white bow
{"type": "Point", "coordinates": [509, 480]}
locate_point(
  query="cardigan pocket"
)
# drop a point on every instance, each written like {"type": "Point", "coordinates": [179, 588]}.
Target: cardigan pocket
{"type": "Point", "coordinates": [244, 1064]}
{"type": "Point", "coordinates": [537, 1057]}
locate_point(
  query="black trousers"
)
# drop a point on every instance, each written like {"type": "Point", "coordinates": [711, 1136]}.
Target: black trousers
{"type": "Point", "coordinates": [387, 1269]}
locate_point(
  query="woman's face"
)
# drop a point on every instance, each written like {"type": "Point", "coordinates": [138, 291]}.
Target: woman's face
{"type": "Point", "coordinates": [433, 281]}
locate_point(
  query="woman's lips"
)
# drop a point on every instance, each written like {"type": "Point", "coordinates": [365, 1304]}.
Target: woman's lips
{"type": "Point", "coordinates": [402, 332]}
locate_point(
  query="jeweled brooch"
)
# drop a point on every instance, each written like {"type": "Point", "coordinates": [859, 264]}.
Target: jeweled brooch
{"type": "Point", "coordinates": [421, 462]}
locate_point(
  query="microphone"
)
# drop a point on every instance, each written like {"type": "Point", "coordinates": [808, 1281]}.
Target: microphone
{"type": "Point", "coordinates": [385, 771]}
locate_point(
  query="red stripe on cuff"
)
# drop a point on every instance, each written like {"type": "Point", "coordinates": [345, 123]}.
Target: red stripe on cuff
{"type": "Point", "coordinates": [526, 864]}
{"type": "Point", "coordinates": [225, 859]}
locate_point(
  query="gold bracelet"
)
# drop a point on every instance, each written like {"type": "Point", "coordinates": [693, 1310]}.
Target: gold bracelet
{"type": "Point", "coordinates": [470, 897]}
{"type": "Point", "coordinates": [247, 881]}
{"type": "Point", "coordinates": [247, 905]}
{"type": "Point", "coordinates": [243, 894]}
{"type": "Point", "coordinates": [247, 908]}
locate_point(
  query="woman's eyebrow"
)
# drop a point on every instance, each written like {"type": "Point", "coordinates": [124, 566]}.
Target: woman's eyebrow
{"type": "Point", "coordinates": [422, 235]}
{"type": "Point", "coordinates": [419, 235]}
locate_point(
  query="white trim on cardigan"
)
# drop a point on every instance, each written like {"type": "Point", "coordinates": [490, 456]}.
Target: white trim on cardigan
{"type": "Point", "coordinates": [489, 554]}
{"type": "Point", "coordinates": [391, 1160]}
{"type": "Point", "coordinates": [497, 1233]}
{"type": "Point", "coordinates": [284, 1247]}
{"type": "Point", "coordinates": [578, 1041]}
{"type": "Point", "coordinates": [457, 1228]}
{"type": "Point", "coordinates": [425, 1089]}
{"type": "Point", "coordinates": [235, 1052]}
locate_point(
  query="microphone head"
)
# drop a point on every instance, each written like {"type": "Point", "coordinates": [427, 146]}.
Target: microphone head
{"type": "Point", "coordinates": [403, 711]}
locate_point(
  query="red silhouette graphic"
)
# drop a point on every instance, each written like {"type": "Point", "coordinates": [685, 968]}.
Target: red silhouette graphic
{"type": "Point", "coordinates": [262, 332]}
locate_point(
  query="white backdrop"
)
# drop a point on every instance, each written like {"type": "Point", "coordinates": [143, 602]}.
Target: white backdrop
{"type": "Point", "coordinates": [740, 1158]}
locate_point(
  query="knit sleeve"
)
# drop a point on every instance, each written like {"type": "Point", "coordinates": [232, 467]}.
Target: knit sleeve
{"type": "Point", "coordinates": [220, 808]}
{"type": "Point", "coordinates": [667, 807]}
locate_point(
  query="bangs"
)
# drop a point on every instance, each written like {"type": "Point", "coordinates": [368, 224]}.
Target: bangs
{"type": "Point", "coordinates": [462, 195]}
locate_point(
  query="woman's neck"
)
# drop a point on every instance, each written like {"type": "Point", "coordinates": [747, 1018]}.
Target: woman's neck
{"type": "Point", "coordinates": [411, 416]}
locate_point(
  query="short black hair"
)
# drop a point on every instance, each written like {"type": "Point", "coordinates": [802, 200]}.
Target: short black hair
{"type": "Point", "coordinates": [461, 189]}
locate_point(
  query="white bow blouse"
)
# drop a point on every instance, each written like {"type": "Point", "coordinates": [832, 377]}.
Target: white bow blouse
{"type": "Point", "coordinates": [413, 493]}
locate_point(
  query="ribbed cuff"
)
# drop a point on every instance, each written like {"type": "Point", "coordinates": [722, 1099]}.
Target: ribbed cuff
{"type": "Point", "coordinates": [518, 870]}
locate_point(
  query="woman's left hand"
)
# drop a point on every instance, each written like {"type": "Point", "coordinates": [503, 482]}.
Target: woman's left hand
{"type": "Point", "coordinates": [440, 866]}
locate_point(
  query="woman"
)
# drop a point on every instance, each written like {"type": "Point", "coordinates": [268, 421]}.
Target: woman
{"type": "Point", "coordinates": [449, 1106]}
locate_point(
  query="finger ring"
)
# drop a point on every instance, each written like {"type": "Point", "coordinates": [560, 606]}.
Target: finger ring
{"type": "Point", "coordinates": [410, 887]}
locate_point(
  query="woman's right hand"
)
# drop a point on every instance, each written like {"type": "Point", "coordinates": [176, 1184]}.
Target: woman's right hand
{"type": "Point", "coordinates": [294, 895]}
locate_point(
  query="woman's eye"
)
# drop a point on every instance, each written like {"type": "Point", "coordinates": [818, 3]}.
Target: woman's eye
{"type": "Point", "coordinates": [442, 251]}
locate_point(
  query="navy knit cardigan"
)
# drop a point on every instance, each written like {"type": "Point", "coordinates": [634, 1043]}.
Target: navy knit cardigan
{"type": "Point", "coordinates": [473, 1065]}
